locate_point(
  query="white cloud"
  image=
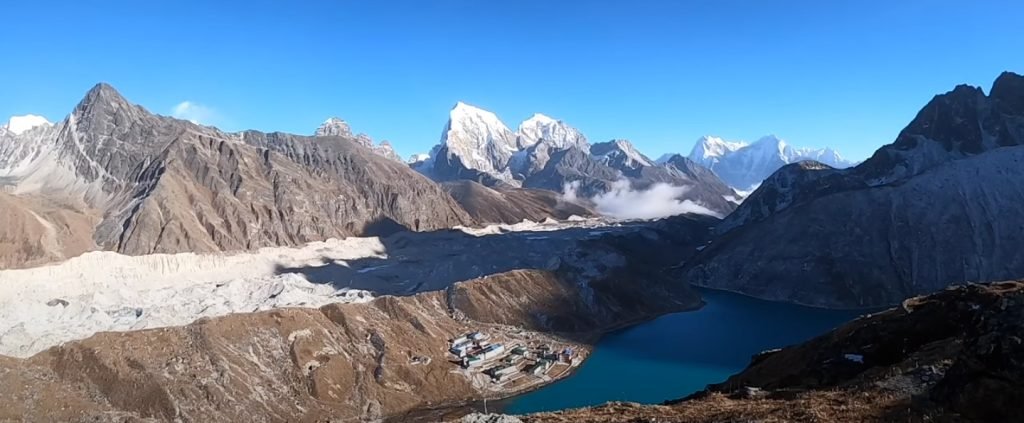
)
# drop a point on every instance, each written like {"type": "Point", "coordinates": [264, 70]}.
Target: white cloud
{"type": "Point", "coordinates": [194, 112]}
{"type": "Point", "coordinates": [569, 192]}
{"type": "Point", "coordinates": [623, 202]}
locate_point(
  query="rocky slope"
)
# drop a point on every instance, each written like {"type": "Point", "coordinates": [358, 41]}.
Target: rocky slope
{"type": "Point", "coordinates": [351, 361]}
{"type": "Point", "coordinates": [512, 205]}
{"type": "Point", "coordinates": [936, 207]}
{"type": "Point", "coordinates": [743, 166]}
{"type": "Point", "coordinates": [951, 356]}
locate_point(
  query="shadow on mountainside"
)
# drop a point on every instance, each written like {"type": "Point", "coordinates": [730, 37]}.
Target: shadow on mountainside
{"type": "Point", "coordinates": [432, 261]}
{"type": "Point", "coordinates": [533, 278]}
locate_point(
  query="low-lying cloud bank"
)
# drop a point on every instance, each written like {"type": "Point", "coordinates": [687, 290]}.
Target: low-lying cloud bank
{"type": "Point", "coordinates": [625, 203]}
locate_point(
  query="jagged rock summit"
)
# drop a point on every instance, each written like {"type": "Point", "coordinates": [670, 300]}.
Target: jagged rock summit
{"type": "Point", "coordinates": [335, 127]}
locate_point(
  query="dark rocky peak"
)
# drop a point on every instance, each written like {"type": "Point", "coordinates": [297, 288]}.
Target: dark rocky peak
{"type": "Point", "coordinates": [106, 138]}
{"type": "Point", "coordinates": [621, 155]}
{"type": "Point", "coordinates": [687, 166]}
{"type": "Point", "coordinates": [674, 159]}
{"type": "Point", "coordinates": [1009, 91]}
{"type": "Point", "coordinates": [961, 123]}
{"type": "Point", "coordinates": [951, 119]}
{"type": "Point", "coordinates": [692, 170]}
{"type": "Point", "coordinates": [574, 164]}
{"type": "Point", "coordinates": [103, 111]}
{"type": "Point", "coordinates": [102, 97]}
{"type": "Point", "coordinates": [790, 185]}
{"type": "Point", "coordinates": [103, 92]}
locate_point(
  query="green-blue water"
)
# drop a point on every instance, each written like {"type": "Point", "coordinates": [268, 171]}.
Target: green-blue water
{"type": "Point", "coordinates": [678, 354]}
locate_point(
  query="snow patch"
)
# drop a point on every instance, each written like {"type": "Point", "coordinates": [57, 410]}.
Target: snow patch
{"type": "Point", "coordinates": [527, 225]}
{"type": "Point", "coordinates": [20, 124]}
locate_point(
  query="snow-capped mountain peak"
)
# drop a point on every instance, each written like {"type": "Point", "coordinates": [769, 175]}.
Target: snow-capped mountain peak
{"type": "Point", "coordinates": [18, 125]}
{"type": "Point", "coordinates": [539, 118]}
{"type": "Point", "coordinates": [555, 132]}
{"type": "Point", "coordinates": [771, 139]}
{"type": "Point", "coordinates": [471, 118]}
{"type": "Point", "coordinates": [709, 148]}
{"type": "Point", "coordinates": [824, 155]}
{"type": "Point", "coordinates": [334, 127]}
{"type": "Point", "coordinates": [478, 139]}
{"type": "Point", "coordinates": [771, 145]}
{"type": "Point", "coordinates": [744, 166]}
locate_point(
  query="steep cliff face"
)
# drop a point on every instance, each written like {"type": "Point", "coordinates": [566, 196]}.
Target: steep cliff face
{"type": "Point", "coordinates": [936, 207]}
{"type": "Point", "coordinates": [950, 356]}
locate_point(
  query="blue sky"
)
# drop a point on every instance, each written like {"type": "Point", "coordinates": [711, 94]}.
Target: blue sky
{"type": "Point", "coordinates": [847, 74]}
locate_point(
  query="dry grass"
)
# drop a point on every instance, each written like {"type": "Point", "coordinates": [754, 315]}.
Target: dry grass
{"type": "Point", "coordinates": [816, 406]}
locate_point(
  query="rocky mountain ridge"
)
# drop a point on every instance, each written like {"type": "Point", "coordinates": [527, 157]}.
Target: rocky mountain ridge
{"type": "Point", "coordinates": [148, 184]}
{"type": "Point", "coordinates": [935, 207]}
{"type": "Point", "coordinates": [335, 127]}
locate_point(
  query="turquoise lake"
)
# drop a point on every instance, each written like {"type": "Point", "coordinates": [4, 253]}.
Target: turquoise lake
{"type": "Point", "coordinates": [678, 354]}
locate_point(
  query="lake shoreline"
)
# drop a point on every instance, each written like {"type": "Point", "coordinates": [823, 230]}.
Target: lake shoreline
{"type": "Point", "coordinates": [445, 412]}
{"type": "Point", "coordinates": [622, 354]}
